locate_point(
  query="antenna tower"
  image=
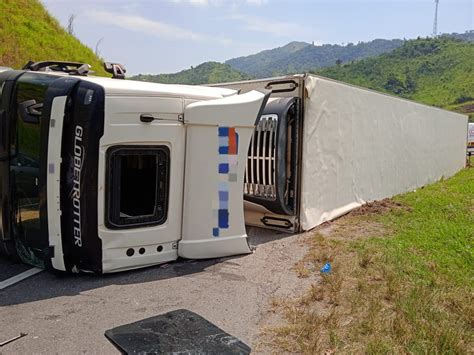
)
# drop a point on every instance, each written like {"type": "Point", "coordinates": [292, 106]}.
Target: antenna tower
{"type": "Point", "coordinates": [435, 25]}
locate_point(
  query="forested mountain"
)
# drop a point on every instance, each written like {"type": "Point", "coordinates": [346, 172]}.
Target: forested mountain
{"type": "Point", "coordinates": [29, 32]}
{"type": "Point", "coordinates": [205, 73]}
{"type": "Point", "coordinates": [298, 57]}
{"type": "Point", "coordinates": [437, 72]}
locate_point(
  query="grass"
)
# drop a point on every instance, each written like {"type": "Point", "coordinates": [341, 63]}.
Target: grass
{"type": "Point", "coordinates": [29, 32]}
{"type": "Point", "coordinates": [402, 278]}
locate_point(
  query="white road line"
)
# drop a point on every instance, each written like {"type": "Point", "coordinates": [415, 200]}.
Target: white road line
{"type": "Point", "coordinates": [20, 277]}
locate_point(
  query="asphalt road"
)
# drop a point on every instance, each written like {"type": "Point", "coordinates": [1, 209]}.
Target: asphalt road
{"type": "Point", "coordinates": [70, 313]}
{"type": "Point", "coordinates": [9, 269]}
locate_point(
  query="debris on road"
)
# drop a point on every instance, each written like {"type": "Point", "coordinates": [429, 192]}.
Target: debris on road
{"type": "Point", "coordinates": [175, 332]}
{"type": "Point", "coordinates": [13, 339]}
{"type": "Point", "coordinates": [326, 269]}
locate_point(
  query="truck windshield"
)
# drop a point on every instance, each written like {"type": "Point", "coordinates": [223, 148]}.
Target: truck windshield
{"type": "Point", "coordinates": [26, 140]}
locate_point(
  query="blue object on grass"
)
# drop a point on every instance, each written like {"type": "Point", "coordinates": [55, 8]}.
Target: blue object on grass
{"type": "Point", "coordinates": [326, 268]}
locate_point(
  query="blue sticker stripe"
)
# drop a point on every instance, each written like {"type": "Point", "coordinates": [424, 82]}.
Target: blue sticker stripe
{"type": "Point", "coordinates": [223, 195]}
{"type": "Point", "coordinates": [223, 168]}
{"type": "Point", "coordinates": [223, 219]}
{"type": "Point", "coordinates": [223, 131]}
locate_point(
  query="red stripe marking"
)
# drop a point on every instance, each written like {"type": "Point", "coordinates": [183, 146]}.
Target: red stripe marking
{"type": "Point", "coordinates": [232, 141]}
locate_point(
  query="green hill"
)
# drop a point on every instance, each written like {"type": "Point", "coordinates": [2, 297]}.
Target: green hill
{"type": "Point", "coordinates": [437, 72]}
{"type": "Point", "coordinates": [299, 57]}
{"type": "Point", "coordinates": [292, 58]}
{"type": "Point", "coordinates": [205, 73]}
{"type": "Point", "coordinates": [29, 32]}
{"type": "Point", "coordinates": [262, 63]}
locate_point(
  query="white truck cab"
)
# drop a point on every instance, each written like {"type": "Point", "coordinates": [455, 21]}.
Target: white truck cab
{"type": "Point", "coordinates": [94, 170]}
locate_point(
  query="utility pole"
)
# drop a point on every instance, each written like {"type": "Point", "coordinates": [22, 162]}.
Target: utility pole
{"type": "Point", "coordinates": [435, 25]}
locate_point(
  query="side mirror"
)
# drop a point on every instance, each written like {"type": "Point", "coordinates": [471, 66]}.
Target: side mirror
{"type": "Point", "coordinates": [30, 111]}
{"type": "Point", "coordinates": [117, 70]}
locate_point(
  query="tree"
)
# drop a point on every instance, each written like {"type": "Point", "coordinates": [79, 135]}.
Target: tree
{"type": "Point", "coordinates": [394, 84]}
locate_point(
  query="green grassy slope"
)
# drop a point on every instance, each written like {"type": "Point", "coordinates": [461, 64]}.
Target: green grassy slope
{"type": "Point", "coordinates": [205, 73]}
{"type": "Point", "coordinates": [437, 72]}
{"type": "Point", "coordinates": [29, 32]}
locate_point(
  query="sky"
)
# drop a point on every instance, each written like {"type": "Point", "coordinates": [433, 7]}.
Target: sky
{"type": "Point", "coordinates": [163, 36]}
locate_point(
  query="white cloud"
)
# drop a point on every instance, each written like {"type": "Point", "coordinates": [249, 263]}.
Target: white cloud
{"type": "Point", "coordinates": [158, 29]}
{"type": "Point", "coordinates": [146, 26]}
{"type": "Point", "coordinates": [193, 2]}
{"type": "Point", "coordinates": [256, 2]}
{"type": "Point", "coordinates": [270, 26]}
{"type": "Point", "coordinates": [221, 2]}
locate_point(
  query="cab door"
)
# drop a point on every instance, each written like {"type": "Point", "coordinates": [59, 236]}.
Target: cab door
{"type": "Point", "coordinates": [141, 181]}
{"type": "Point", "coordinates": [218, 134]}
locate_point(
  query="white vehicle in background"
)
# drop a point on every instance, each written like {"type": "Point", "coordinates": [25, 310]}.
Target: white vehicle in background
{"type": "Point", "coordinates": [470, 139]}
{"type": "Point", "coordinates": [103, 175]}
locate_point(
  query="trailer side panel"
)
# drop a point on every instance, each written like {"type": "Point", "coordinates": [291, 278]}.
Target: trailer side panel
{"type": "Point", "coordinates": [359, 146]}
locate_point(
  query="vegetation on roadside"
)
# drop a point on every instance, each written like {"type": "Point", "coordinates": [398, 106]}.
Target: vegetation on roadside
{"type": "Point", "coordinates": [29, 32]}
{"type": "Point", "coordinates": [437, 72]}
{"type": "Point", "coordinates": [402, 278]}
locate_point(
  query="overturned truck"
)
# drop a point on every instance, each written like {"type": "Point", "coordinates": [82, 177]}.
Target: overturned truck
{"type": "Point", "coordinates": [103, 175]}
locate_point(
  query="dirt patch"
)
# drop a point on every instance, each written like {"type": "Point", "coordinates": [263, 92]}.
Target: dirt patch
{"type": "Point", "coordinates": [378, 207]}
{"type": "Point", "coordinates": [350, 228]}
{"type": "Point", "coordinates": [358, 223]}
{"type": "Point", "coordinates": [469, 108]}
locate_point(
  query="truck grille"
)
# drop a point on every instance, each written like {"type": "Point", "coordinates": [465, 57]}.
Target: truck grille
{"type": "Point", "coordinates": [260, 175]}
